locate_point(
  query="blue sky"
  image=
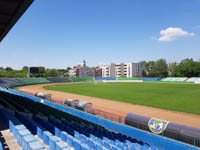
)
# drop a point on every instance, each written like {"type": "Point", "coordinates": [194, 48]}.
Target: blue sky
{"type": "Point", "coordinates": [61, 33]}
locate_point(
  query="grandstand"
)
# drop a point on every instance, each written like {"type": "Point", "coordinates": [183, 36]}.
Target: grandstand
{"type": "Point", "coordinates": [104, 78]}
{"type": "Point", "coordinates": [151, 79]}
{"type": "Point", "coordinates": [58, 79]}
{"type": "Point", "coordinates": [9, 82]}
{"type": "Point", "coordinates": [12, 82]}
{"type": "Point", "coordinates": [40, 124]}
{"type": "Point", "coordinates": [174, 79]}
{"type": "Point", "coordinates": [194, 80]}
{"type": "Point", "coordinates": [134, 78]}
{"type": "Point", "coordinates": [82, 79]}
{"type": "Point", "coordinates": [29, 81]}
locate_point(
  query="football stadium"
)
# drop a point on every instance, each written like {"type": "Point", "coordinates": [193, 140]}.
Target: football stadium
{"type": "Point", "coordinates": [95, 113]}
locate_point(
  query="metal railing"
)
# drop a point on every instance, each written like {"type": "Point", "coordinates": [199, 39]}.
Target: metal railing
{"type": "Point", "coordinates": [94, 111]}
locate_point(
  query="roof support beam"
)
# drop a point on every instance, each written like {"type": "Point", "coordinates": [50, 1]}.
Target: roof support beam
{"type": "Point", "coordinates": [20, 6]}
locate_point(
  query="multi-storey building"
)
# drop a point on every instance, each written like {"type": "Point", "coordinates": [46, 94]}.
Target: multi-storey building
{"type": "Point", "coordinates": [98, 72]}
{"type": "Point", "coordinates": [122, 70]}
{"type": "Point", "coordinates": [82, 71]}
{"type": "Point", "coordinates": [72, 72]}
{"type": "Point", "coordinates": [108, 70]}
{"type": "Point", "coordinates": [85, 71]}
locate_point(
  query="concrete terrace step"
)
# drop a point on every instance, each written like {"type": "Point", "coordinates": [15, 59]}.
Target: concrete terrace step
{"type": "Point", "coordinates": [10, 141]}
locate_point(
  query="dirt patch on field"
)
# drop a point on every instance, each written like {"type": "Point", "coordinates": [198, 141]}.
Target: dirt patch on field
{"type": "Point", "coordinates": [120, 108]}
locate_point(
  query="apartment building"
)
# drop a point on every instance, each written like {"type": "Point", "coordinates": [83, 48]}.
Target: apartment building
{"type": "Point", "coordinates": [122, 70]}
{"type": "Point", "coordinates": [72, 72]}
{"type": "Point", "coordinates": [134, 70]}
{"type": "Point", "coordinates": [108, 70]}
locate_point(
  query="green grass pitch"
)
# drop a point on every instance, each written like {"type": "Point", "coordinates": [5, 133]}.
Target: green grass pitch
{"type": "Point", "coordinates": [177, 97]}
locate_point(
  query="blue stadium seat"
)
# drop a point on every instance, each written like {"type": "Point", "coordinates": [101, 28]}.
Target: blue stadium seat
{"type": "Point", "coordinates": [57, 132]}
{"type": "Point", "coordinates": [39, 132]}
{"type": "Point", "coordinates": [106, 145]}
{"type": "Point", "coordinates": [52, 142]}
{"type": "Point", "coordinates": [27, 139]}
{"type": "Point", "coordinates": [1, 146]}
{"type": "Point", "coordinates": [98, 147]}
{"type": "Point", "coordinates": [46, 136]}
{"type": "Point", "coordinates": [83, 139]}
{"type": "Point", "coordinates": [35, 146]}
{"type": "Point", "coordinates": [91, 144]}
{"type": "Point", "coordinates": [63, 135]}
{"type": "Point", "coordinates": [69, 140]}
{"type": "Point", "coordinates": [76, 134]}
{"type": "Point", "coordinates": [60, 145]}
{"type": "Point", "coordinates": [21, 134]}
{"type": "Point", "coordinates": [77, 145]}
{"type": "Point", "coordinates": [84, 147]}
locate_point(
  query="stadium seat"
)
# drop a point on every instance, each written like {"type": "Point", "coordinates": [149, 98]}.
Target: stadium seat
{"type": "Point", "coordinates": [69, 140]}
{"type": "Point", "coordinates": [52, 142]}
{"type": "Point", "coordinates": [35, 145]}
{"type": "Point", "coordinates": [77, 145]}
{"type": "Point", "coordinates": [83, 139]}
{"type": "Point", "coordinates": [60, 145]}
{"type": "Point", "coordinates": [46, 136]}
{"type": "Point", "coordinates": [27, 139]}
{"type": "Point", "coordinates": [1, 146]}
{"type": "Point", "coordinates": [91, 144]}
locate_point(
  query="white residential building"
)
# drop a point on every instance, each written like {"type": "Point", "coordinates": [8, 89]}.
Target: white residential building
{"type": "Point", "coordinates": [122, 70]}
{"type": "Point", "coordinates": [134, 70]}
{"type": "Point", "coordinates": [108, 70]}
{"type": "Point", "coordinates": [72, 72]}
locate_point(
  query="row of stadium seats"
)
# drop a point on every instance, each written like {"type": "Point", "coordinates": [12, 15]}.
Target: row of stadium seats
{"type": "Point", "coordinates": [12, 82]}
{"type": "Point", "coordinates": [28, 81]}
{"type": "Point", "coordinates": [135, 78]}
{"type": "Point", "coordinates": [151, 79]}
{"type": "Point", "coordinates": [24, 137]}
{"type": "Point", "coordinates": [174, 79]}
{"type": "Point", "coordinates": [8, 82]}
{"type": "Point", "coordinates": [82, 79]}
{"type": "Point", "coordinates": [58, 130]}
{"type": "Point", "coordinates": [194, 79]}
{"type": "Point", "coordinates": [106, 78]}
{"type": "Point", "coordinates": [59, 79]}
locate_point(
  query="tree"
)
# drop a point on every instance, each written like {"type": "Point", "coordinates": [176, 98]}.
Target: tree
{"type": "Point", "coordinates": [160, 68]}
{"type": "Point", "coordinates": [42, 70]}
{"type": "Point", "coordinates": [8, 69]}
{"type": "Point", "coordinates": [172, 69]}
{"type": "Point", "coordinates": [187, 68]}
{"type": "Point", "coordinates": [52, 73]}
{"type": "Point", "coordinates": [25, 68]}
{"type": "Point", "coordinates": [68, 68]}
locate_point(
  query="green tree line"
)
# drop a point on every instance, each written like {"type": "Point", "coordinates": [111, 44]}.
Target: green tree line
{"type": "Point", "coordinates": [8, 72]}
{"type": "Point", "coordinates": [160, 68]}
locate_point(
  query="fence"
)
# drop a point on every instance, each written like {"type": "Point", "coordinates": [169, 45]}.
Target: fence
{"type": "Point", "coordinates": [94, 111]}
{"type": "Point", "coordinates": [106, 115]}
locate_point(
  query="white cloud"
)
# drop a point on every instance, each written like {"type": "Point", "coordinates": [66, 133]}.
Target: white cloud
{"type": "Point", "coordinates": [171, 34]}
